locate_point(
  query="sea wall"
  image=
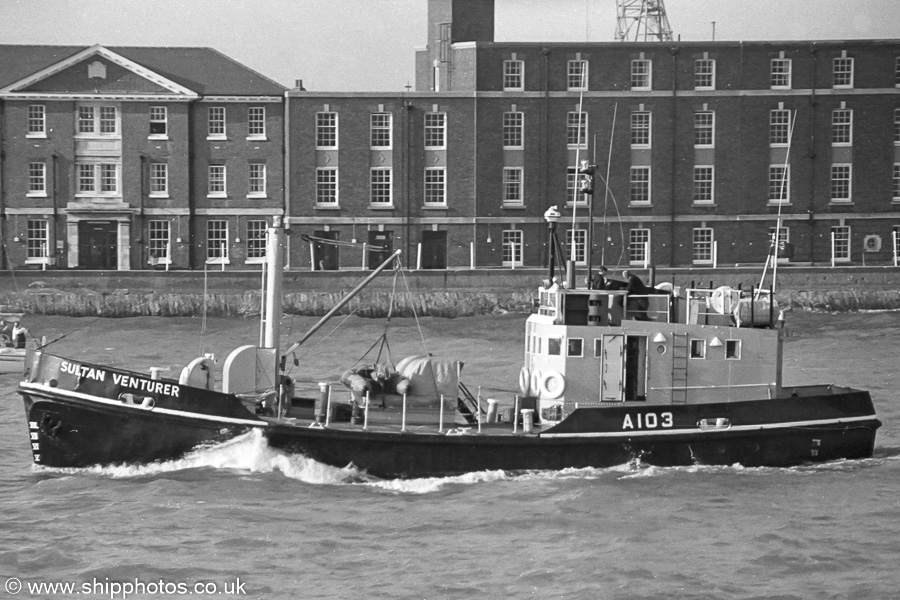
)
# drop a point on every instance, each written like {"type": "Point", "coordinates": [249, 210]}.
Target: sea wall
{"type": "Point", "coordinates": [438, 293]}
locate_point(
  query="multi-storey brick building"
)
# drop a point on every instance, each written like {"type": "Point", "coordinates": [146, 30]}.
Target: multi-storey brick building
{"type": "Point", "coordinates": [132, 158]}
{"type": "Point", "coordinates": [707, 145]}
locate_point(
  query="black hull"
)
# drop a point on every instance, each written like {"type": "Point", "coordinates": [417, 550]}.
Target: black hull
{"type": "Point", "coordinates": [79, 432]}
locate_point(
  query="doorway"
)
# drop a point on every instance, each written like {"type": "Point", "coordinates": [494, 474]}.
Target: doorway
{"type": "Point", "coordinates": [98, 245]}
{"type": "Point", "coordinates": [434, 249]}
{"type": "Point", "coordinates": [325, 255]}
{"type": "Point", "coordinates": [383, 239]}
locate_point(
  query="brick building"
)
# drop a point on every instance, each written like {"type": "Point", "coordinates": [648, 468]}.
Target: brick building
{"type": "Point", "coordinates": [710, 144]}
{"type": "Point", "coordinates": [135, 158]}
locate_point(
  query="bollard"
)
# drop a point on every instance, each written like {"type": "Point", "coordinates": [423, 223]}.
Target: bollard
{"type": "Point", "coordinates": [154, 372]}
{"type": "Point", "coordinates": [321, 401]}
{"type": "Point", "coordinates": [527, 420]}
{"type": "Point", "coordinates": [492, 410]}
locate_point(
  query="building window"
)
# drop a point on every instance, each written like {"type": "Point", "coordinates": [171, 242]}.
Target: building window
{"type": "Point", "coordinates": [380, 187]}
{"type": "Point", "coordinates": [158, 241]}
{"type": "Point", "coordinates": [577, 76]}
{"type": "Point", "coordinates": [98, 178]}
{"type": "Point", "coordinates": [640, 185]}
{"type": "Point", "coordinates": [38, 243]}
{"type": "Point", "coordinates": [641, 74]}
{"type": "Point", "coordinates": [704, 185]}
{"type": "Point", "coordinates": [576, 242]}
{"type": "Point", "coordinates": [513, 129]}
{"type": "Point", "coordinates": [217, 241]}
{"type": "Point", "coordinates": [840, 183]}
{"type": "Point", "coordinates": [256, 240]}
{"type": "Point", "coordinates": [216, 122]}
{"type": "Point", "coordinates": [896, 195]}
{"type": "Point", "coordinates": [513, 75]}
{"type": "Point", "coordinates": [704, 74]}
{"type": "Point", "coordinates": [512, 186]}
{"type": "Point", "coordinates": [704, 129]}
{"type": "Point", "coordinates": [37, 179]}
{"type": "Point", "coordinates": [638, 246]}
{"type": "Point", "coordinates": [257, 187]}
{"type": "Point", "coordinates": [380, 130]}
{"type": "Point", "coordinates": [576, 129]}
{"type": "Point", "coordinates": [897, 126]}
{"type": "Point", "coordinates": [897, 71]}
{"type": "Point", "coordinates": [781, 241]}
{"type": "Point", "coordinates": [843, 72]}
{"type": "Point", "coordinates": [326, 130]}
{"type": "Point", "coordinates": [435, 186]}
{"type": "Point", "coordinates": [37, 120]}
{"type": "Point", "coordinates": [98, 120]}
{"type": "Point", "coordinates": [159, 121]}
{"type": "Point", "coordinates": [326, 186]}
{"type": "Point", "coordinates": [256, 122]}
{"type": "Point", "coordinates": [159, 179]}
{"type": "Point", "coordinates": [512, 248]}
{"type": "Point", "coordinates": [842, 127]}
{"type": "Point", "coordinates": [779, 183]}
{"type": "Point", "coordinates": [840, 243]}
{"type": "Point", "coordinates": [216, 182]}
{"type": "Point", "coordinates": [573, 187]}
{"type": "Point", "coordinates": [781, 73]}
{"type": "Point", "coordinates": [640, 129]}
{"type": "Point", "coordinates": [779, 127]}
{"type": "Point", "coordinates": [435, 130]}
{"type": "Point", "coordinates": [702, 246]}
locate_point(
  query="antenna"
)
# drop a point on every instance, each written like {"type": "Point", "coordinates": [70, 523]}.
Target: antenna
{"type": "Point", "coordinates": [642, 21]}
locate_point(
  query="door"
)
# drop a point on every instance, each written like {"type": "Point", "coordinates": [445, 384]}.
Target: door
{"type": "Point", "coordinates": [434, 249]}
{"type": "Point", "coordinates": [383, 239]}
{"type": "Point", "coordinates": [611, 372]}
{"type": "Point", "coordinates": [98, 245]}
{"type": "Point", "coordinates": [325, 255]}
{"type": "Point", "coordinates": [636, 367]}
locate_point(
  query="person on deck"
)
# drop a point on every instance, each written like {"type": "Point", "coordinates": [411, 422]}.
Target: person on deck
{"type": "Point", "coordinates": [19, 336]}
{"type": "Point", "coordinates": [599, 280]}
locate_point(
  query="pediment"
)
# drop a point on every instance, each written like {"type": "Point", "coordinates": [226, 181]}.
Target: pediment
{"type": "Point", "coordinates": [96, 71]}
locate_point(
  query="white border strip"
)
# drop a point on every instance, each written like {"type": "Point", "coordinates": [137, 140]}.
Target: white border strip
{"type": "Point", "coordinates": [658, 431]}
{"type": "Point", "coordinates": [44, 389]}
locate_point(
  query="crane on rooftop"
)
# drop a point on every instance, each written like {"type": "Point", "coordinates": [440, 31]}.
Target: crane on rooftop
{"type": "Point", "coordinates": [642, 21]}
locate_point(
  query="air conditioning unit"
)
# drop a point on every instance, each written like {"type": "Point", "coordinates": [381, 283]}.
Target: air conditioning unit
{"type": "Point", "coordinates": [872, 243]}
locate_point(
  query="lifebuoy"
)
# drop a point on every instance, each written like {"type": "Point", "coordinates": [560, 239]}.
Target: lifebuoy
{"type": "Point", "coordinates": [535, 387]}
{"type": "Point", "coordinates": [524, 380]}
{"type": "Point", "coordinates": [553, 385]}
{"type": "Point", "coordinates": [720, 300]}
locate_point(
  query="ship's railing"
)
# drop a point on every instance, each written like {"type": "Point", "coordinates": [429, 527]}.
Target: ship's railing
{"type": "Point", "coordinates": [649, 307]}
{"type": "Point", "coordinates": [725, 305]}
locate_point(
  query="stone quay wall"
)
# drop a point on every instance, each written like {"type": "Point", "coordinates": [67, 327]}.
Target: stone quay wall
{"type": "Point", "coordinates": [428, 293]}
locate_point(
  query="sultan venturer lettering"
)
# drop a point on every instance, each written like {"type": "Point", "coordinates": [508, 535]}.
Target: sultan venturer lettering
{"type": "Point", "coordinates": [136, 383]}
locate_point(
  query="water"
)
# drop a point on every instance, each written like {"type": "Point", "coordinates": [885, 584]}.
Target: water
{"type": "Point", "coordinates": [257, 523]}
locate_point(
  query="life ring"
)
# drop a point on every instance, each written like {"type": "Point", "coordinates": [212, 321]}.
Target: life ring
{"type": "Point", "coordinates": [553, 385]}
{"type": "Point", "coordinates": [720, 300]}
{"type": "Point", "coordinates": [535, 385]}
{"type": "Point", "coordinates": [524, 380]}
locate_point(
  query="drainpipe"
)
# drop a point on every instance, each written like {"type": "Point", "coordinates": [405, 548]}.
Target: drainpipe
{"type": "Point", "coordinates": [3, 259]}
{"type": "Point", "coordinates": [672, 232]}
{"type": "Point", "coordinates": [140, 224]}
{"type": "Point", "coordinates": [810, 210]}
{"type": "Point", "coordinates": [407, 138]}
{"type": "Point", "coordinates": [545, 117]}
{"type": "Point", "coordinates": [191, 201]}
{"type": "Point", "coordinates": [54, 171]}
{"type": "Point", "coordinates": [286, 174]}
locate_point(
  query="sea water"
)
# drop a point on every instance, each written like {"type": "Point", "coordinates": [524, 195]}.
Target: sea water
{"type": "Point", "coordinates": [241, 520]}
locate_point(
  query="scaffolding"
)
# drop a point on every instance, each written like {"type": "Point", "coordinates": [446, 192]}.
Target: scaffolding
{"type": "Point", "coordinates": [642, 21]}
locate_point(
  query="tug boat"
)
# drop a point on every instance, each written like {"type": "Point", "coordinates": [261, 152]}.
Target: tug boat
{"type": "Point", "coordinates": [609, 377]}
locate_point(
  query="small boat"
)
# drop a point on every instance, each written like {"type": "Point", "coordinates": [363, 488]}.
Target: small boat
{"type": "Point", "coordinates": [12, 350]}
{"type": "Point", "coordinates": [610, 376]}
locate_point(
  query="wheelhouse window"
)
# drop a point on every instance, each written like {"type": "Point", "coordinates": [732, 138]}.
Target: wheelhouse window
{"type": "Point", "coordinates": [256, 241]}
{"type": "Point", "coordinates": [779, 183]}
{"type": "Point", "coordinates": [640, 185]}
{"type": "Point", "coordinates": [159, 180]}
{"type": "Point", "coordinates": [512, 247]}
{"type": "Point", "coordinates": [554, 346]}
{"type": "Point", "coordinates": [37, 121]}
{"type": "Point", "coordinates": [256, 122]}
{"type": "Point", "coordinates": [257, 183]}
{"type": "Point", "coordinates": [380, 193]}
{"type": "Point", "coordinates": [702, 246]}
{"type": "Point", "coordinates": [842, 72]}
{"type": "Point", "coordinates": [513, 75]}
{"type": "Point", "coordinates": [215, 122]}
{"type": "Point", "coordinates": [436, 186]}
{"type": "Point", "coordinates": [512, 186]}
{"type": "Point", "coordinates": [158, 232]}
{"type": "Point", "coordinates": [159, 122]}
{"type": "Point", "coordinates": [216, 181]}
{"type": "Point", "coordinates": [435, 130]}
{"type": "Point", "coordinates": [704, 184]}
{"type": "Point", "coordinates": [217, 241]}
{"type": "Point", "coordinates": [98, 121]}
{"type": "Point", "coordinates": [641, 74]}
{"type": "Point", "coordinates": [781, 73]}
{"type": "Point", "coordinates": [577, 76]}
{"type": "Point", "coordinates": [638, 246]}
{"type": "Point", "coordinates": [326, 130]}
{"type": "Point", "coordinates": [704, 74]}
{"type": "Point", "coordinates": [327, 187]}
{"type": "Point", "coordinates": [37, 179]}
{"type": "Point", "coordinates": [37, 245]}
{"type": "Point", "coordinates": [575, 347]}
{"type": "Point", "coordinates": [704, 129]}
{"type": "Point", "coordinates": [640, 129]}
{"type": "Point", "coordinates": [380, 130]}
{"type": "Point", "coordinates": [576, 129]}
{"type": "Point", "coordinates": [513, 129]}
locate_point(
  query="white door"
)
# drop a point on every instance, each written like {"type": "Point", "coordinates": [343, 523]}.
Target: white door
{"type": "Point", "coordinates": [611, 378]}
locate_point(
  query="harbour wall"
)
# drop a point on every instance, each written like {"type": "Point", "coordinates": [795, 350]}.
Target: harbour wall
{"type": "Point", "coordinates": [430, 293]}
